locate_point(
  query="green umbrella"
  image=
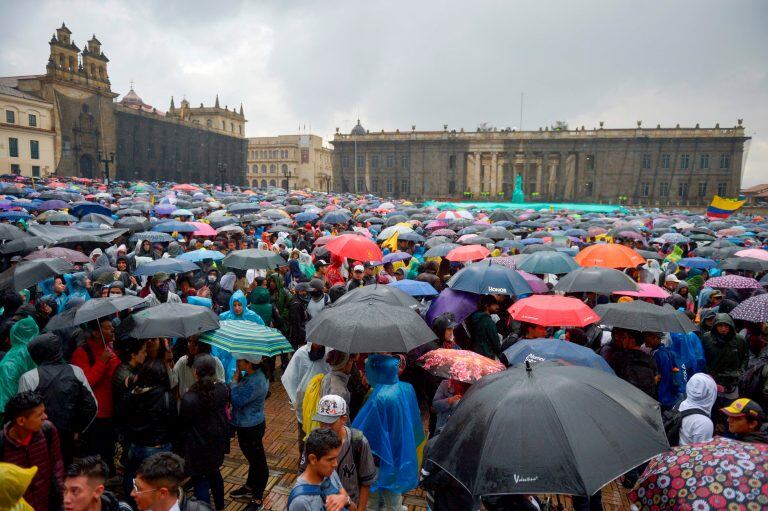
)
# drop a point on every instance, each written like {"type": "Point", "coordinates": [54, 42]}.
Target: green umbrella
{"type": "Point", "coordinates": [247, 337]}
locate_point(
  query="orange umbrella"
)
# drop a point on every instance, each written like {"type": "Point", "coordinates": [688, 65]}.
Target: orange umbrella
{"type": "Point", "coordinates": [553, 310]}
{"type": "Point", "coordinates": [353, 246]}
{"type": "Point", "coordinates": [468, 253]}
{"type": "Point", "coordinates": [609, 255]}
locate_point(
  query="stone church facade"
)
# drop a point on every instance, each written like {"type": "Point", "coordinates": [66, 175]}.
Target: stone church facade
{"type": "Point", "coordinates": [641, 166]}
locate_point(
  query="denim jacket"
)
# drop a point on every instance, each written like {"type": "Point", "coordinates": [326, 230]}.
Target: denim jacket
{"type": "Point", "coordinates": [248, 396]}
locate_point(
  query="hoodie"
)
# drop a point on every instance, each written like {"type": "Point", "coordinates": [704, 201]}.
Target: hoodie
{"type": "Point", "coordinates": [701, 393]}
{"type": "Point", "coordinates": [261, 304]}
{"type": "Point", "coordinates": [727, 355]}
{"type": "Point", "coordinates": [391, 422]}
{"type": "Point", "coordinates": [17, 361]}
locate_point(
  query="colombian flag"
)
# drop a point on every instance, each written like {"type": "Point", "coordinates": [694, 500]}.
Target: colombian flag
{"type": "Point", "coordinates": [723, 208]}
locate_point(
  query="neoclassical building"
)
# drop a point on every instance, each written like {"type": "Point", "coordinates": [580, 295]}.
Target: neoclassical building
{"type": "Point", "coordinates": [650, 166]}
{"type": "Point", "coordinates": [289, 161]}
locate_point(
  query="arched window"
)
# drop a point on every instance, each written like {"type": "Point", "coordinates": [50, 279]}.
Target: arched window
{"type": "Point", "coordinates": [284, 169]}
{"type": "Point", "coordinates": [263, 183]}
{"type": "Point", "coordinates": [209, 123]}
{"type": "Point", "coordinates": [71, 63]}
{"type": "Point", "coordinates": [272, 182]}
{"type": "Point", "coordinates": [255, 183]}
{"type": "Point", "coordinates": [93, 70]}
{"type": "Point", "coordinates": [101, 72]}
{"type": "Point", "coordinates": [272, 168]}
{"type": "Point", "coordinates": [255, 169]}
{"type": "Point", "coordinates": [263, 168]}
{"type": "Point", "coordinates": [61, 60]}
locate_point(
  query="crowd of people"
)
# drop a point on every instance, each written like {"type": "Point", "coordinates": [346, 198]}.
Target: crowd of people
{"type": "Point", "coordinates": [98, 419]}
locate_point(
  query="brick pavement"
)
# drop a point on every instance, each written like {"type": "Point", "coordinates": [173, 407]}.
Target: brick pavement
{"type": "Point", "coordinates": [282, 458]}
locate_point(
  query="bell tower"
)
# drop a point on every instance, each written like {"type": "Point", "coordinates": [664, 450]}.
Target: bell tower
{"type": "Point", "coordinates": [95, 65]}
{"type": "Point", "coordinates": [63, 62]}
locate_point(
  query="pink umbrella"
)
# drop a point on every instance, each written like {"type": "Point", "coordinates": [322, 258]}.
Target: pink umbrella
{"type": "Point", "coordinates": [202, 229]}
{"type": "Point", "coordinates": [755, 253]}
{"type": "Point", "coordinates": [436, 224]}
{"type": "Point", "coordinates": [444, 232]}
{"type": "Point", "coordinates": [462, 365]}
{"type": "Point", "coordinates": [537, 285]}
{"type": "Point", "coordinates": [645, 291]}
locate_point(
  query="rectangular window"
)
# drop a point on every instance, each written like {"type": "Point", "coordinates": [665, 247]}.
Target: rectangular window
{"type": "Point", "coordinates": [13, 147]}
{"type": "Point", "coordinates": [685, 161]}
{"type": "Point", "coordinates": [360, 184]}
{"type": "Point", "coordinates": [10, 116]}
{"type": "Point", "coordinates": [404, 162]}
{"type": "Point", "coordinates": [345, 162]}
{"type": "Point", "coordinates": [646, 161]}
{"type": "Point", "coordinates": [375, 184]}
{"type": "Point", "coordinates": [704, 162]}
{"type": "Point", "coordinates": [32, 120]}
{"type": "Point", "coordinates": [34, 149]}
{"type": "Point", "coordinates": [590, 162]}
{"type": "Point", "coordinates": [374, 161]}
{"type": "Point", "coordinates": [390, 161]}
{"type": "Point", "coordinates": [15, 169]}
{"type": "Point", "coordinates": [452, 161]}
{"type": "Point", "coordinates": [665, 161]}
{"type": "Point", "coordinates": [390, 187]}
{"type": "Point", "coordinates": [703, 189]}
{"type": "Point", "coordinates": [663, 189]}
{"type": "Point", "coordinates": [682, 190]}
{"type": "Point", "coordinates": [405, 186]}
{"type": "Point", "coordinates": [451, 187]}
{"type": "Point", "coordinates": [588, 187]}
{"type": "Point", "coordinates": [645, 189]}
{"type": "Point", "coordinates": [722, 189]}
{"type": "Point", "coordinates": [35, 170]}
{"type": "Point", "coordinates": [725, 161]}
{"type": "Point", "coordinates": [360, 161]}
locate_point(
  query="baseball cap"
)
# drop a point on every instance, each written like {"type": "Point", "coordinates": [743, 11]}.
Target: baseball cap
{"type": "Point", "coordinates": [303, 286]}
{"type": "Point", "coordinates": [207, 243]}
{"type": "Point", "coordinates": [716, 294]}
{"type": "Point", "coordinates": [316, 284]}
{"type": "Point", "coordinates": [358, 267]}
{"type": "Point", "coordinates": [671, 278]}
{"type": "Point", "coordinates": [744, 406]}
{"type": "Point", "coordinates": [367, 265]}
{"type": "Point", "coordinates": [330, 408]}
{"type": "Point", "coordinates": [321, 262]}
{"type": "Point", "coordinates": [160, 277]}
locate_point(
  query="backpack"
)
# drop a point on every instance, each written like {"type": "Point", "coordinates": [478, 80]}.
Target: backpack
{"type": "Point", "coordinates": [312, 395]}
{"type": "Point", "coordinates": [673, 421]}
{"type": "Point", "coordinates": [312, 490]}
{"type": "Point", "coordinates": [753, 380]}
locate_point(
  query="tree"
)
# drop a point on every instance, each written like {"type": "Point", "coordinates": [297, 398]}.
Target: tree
{"type": "Point", "coordinates": [560, 126]}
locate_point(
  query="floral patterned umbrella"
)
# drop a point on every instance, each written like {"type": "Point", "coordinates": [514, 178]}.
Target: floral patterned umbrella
{"type": "Point", "coordinates": [733, 282]}
{"type": "Point", "coordinates": [720, 474]}
{"type": "Point", "coordinates": [462, 365]}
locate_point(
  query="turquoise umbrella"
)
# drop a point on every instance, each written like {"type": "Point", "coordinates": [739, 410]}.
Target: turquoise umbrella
{"type": "Point", "coordinates": [247, 337]}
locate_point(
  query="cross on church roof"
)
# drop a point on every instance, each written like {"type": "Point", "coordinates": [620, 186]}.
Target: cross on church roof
{"type": "Point", "coordinates": [131, 84]}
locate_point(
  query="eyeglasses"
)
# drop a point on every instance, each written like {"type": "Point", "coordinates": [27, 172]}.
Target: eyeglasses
{"type": "Point", "coordinates": [139, 492]}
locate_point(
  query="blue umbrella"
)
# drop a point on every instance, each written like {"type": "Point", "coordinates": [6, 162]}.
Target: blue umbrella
{"type": "Point", "coordinates": [174, 226]}
{"type": "Point", "coordinates": [152, 237]}
{"type": "Point", "coordinates": [697, 262]}
{"type": "Point", "coordinates": [415, 287]}
{"type": "Point", "coordinates": [396, 256]}
{"type": "Point", "coordinates": [486, 278]}
{"type": "Point", "coordinates": [15, 215]}
{"type": "Point", "coordinates": [539, 350]}
{"type": "Point", "coordinates": [83, 208]}
{"type": "Point", "coordinates": [201, 255]}
{"type": "Point", "coordinates": [166, 265]}
{"type": "Point", "coordinates": [548, 262]}
{"type": "Point", "coordinates": [336, 217]}
{"type": "Point", "coordinates": [306, 217]}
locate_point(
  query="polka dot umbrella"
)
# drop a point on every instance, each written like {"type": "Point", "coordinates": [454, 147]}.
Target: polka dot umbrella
{"type": "Point", "coordinates": [754, 310]}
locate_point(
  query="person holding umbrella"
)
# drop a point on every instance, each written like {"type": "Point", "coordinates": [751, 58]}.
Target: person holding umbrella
{"type": "Point", "coordinates": [483, 335]}
{"type": "Point", "coordinates": [249, 389]}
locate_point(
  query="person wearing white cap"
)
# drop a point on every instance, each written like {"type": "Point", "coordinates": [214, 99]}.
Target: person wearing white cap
{"type": "Point", "coordinates": [671, 282]}
{"type": "Point", "coordinates": [358, 272]}
{"type": "Point", "coordinates": [248, 391]}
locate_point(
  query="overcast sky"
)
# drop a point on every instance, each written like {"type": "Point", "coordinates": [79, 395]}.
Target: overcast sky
{"type": "Point", "coordinates": [300, 63]}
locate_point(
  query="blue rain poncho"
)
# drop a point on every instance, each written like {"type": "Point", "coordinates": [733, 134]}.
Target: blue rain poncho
{"type": "Point", "coordinates": [391, 422]}
{"type": "Point", "coordinates": [229, 362]}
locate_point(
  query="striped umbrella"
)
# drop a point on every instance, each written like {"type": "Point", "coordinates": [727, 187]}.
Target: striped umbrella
{"type": "Point", "coordinates": [234, 336]}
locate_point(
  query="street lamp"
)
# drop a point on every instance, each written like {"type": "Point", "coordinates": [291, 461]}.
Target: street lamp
{"type": "Point", "coordinates": [222, 168]}
{"type": "Point", "coordinates": [327, 183]}
{"type": "Point", "coordinates": [287, 175]}
{"type": "Point", "coordinates": [106, 162]}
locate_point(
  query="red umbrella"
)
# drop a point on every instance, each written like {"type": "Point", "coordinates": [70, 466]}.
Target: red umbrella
{"type": "Point", "coordinates": [468, 253]}
{"type": "Point", "coordinates": [72, 256]}
{"type": "Point", "coordinates": [462, 365]}
{"type": "Point", "coordinates": [553, 310]}
{"type": "Point", "coordinates": [356, 247]}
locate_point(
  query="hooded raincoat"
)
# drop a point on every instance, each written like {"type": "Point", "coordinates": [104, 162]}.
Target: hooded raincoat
{"type": "Point", "coordinates": [701, 391]}
{"type": "Point", "coordinates": [18, 360]}
{"type": "Point", "coordinates": [229, 362]}
{"type": "Point", "coordinates": [391, 422]}
{"type": "Point", "coordinates": [727, 355]}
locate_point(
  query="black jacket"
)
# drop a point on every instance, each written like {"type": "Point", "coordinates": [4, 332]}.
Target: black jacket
{"type": "Point", "coordinates": [150, 415]}
{"type": "Point", "coordinates": [70, 406]}
{"type": "Point", "coordinates": [205, 431]}
{"type": "Point", "coordinates": [637, 368]}
{"type": "Point", "coordinates": [297, 320]}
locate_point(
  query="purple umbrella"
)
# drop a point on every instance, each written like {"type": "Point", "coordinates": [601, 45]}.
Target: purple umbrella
{"type": "Point", "coordinates": [458, 303]}
{"type": "Point", "coordinates": [396, 256]}
{"type": "Point", "coordinates": [52, 204]}
{"type": "Point", "coordinates": [733, 282]}
{"type": "Point", "coordinates": [538, 285]}
{"type": "Point", "coordinates": [165, 209]}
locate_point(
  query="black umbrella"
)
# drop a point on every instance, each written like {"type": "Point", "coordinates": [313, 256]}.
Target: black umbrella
{"type": "Point", "coordinates": [28, 273]}
{"type": "Point", "coordinates": [87, 241]}
{"type": "Point", "coordinates": [369, 327]}
{"type": "Point", "coordinates": [133, 223]}
{"type": "Point", "coordinates": [173, 320]}
{"type": "Point", "coordinates": [98, 218]}
{"type": "Point", "coordinates": [548, 262]}
{"type": "Point", "coordinates": [486, 278]}
{"type": "Point", "coordinates": [22, 245]}
{"type": "Point", "coordinates": [101, 307]}
{"type": "Point", "coordinates": [596, 280]}
{"type": "Point", "coordinates": [441, 250]}
{"type": "Point", "coordinates": [379, 293]}
{"type": "Point", "coordinates": [644, 317]}
{"type": "Point", "coordinates": [744, 264]}
{"type": "Point", "coordinates": [548, 428]}
{"type": "Point", "coordinates": [650, 254]}
{"type": "Point", "coordinates": [497, 234]}
{"type": "Point", "coordinates": [11, 232]}
{"type": "Point", "coordinates": [253, 259]}
{"type": "Point", "coordinates": [165, 265]}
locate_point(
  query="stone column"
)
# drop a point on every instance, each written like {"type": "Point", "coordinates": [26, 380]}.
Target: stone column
{"type": "Point", "coordinates": [539, 187]}
{"type": "Point", "coordinates": [477, 187]}
{"type": "Point", "coordinates": [494, 174]}
{"type": "Point", "coordinates": [570, 176]}
{"type": "Point", "coordinates": [552, 184]}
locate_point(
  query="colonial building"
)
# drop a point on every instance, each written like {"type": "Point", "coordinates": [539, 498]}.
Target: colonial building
{"type": "Point", "coordinates": [205, 144]}
{"type": "Point", "coordinates": [290, 161]}
{"type": "Point", "coordinates": [656, 166]}
{"type": "Point", "coordinates": [26, 133]}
